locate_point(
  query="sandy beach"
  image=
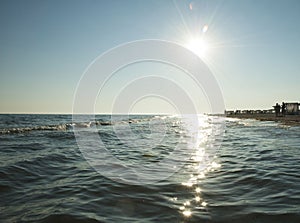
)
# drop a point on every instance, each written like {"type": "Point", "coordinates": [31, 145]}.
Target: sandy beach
{"type": "Point", "coordinates": [286, 120]}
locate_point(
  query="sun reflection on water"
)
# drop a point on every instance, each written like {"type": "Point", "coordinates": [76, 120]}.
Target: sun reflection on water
{"type": "Point", "coordinates": [202, 162]}
{"type": "Point", "coordinates": [187, 213]}
{"type": "Point", "coordinates": [193, 182]}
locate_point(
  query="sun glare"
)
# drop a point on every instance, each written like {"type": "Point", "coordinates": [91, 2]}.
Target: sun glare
{"type": "Point", "coordinates": [198, 46]}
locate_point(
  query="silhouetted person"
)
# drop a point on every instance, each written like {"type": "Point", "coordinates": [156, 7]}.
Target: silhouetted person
{"type": "Point", "coordinates": [283, 109]}
{"type": "Point", "coordinates": [277, 109]}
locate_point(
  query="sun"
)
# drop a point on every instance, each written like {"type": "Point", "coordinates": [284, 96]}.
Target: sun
{"type": "Point", "coordinates": [198, 46]}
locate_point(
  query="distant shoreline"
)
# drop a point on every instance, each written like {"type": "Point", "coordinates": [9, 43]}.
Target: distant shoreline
{"type": "Point", "coordinates": [286, 120]}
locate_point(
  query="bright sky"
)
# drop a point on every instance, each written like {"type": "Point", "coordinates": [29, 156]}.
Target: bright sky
{"type": "Point", "coordinates": [251, 46]}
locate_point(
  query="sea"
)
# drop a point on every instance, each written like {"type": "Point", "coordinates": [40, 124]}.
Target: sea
{"type": "Point", "coordinates": [147, 168]}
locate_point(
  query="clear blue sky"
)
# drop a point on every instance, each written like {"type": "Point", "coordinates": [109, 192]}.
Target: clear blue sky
{"type": "Point", "coordinates": [45, 45]}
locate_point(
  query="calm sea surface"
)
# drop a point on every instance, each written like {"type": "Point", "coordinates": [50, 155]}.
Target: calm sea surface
{"type": "Point", "coordinates": [224, 171]}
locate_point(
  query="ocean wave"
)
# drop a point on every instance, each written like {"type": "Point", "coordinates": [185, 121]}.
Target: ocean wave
{"type": "Point", "coordinates": [44, 177]}
{"type": "Point", "coordinates": [60, 127]}
{"type": "Point", "coordinates": [37, 128]}
{"type": "Point", "coordinates": [65, 218]}
{"type": "Point", "coordinates": [71, 126]}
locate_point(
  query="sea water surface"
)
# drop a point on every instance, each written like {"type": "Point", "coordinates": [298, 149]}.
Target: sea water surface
{"type": "Point", "coordinates": [248, 172]}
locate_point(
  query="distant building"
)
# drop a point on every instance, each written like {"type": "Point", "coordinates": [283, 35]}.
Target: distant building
{"type": "Point", "coordinates": [229, 112]}
{"type": "Point", "coordinates": [292, 108]}
{"type": "Point", "coordinates": [269, 111]}
{"type": "Point", "coordinates": [247, 112]}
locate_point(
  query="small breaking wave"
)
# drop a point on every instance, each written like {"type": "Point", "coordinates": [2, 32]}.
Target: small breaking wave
{"type": "Point", "coordinates": [71, 126]}
{"type": "Point", "coordinates": [36, 128]}
{"type": "Point", "coordinates": [60, 127]}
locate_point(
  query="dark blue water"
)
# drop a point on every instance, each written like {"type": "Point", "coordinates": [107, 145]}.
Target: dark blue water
{"type": "Point", "coordinates": [254, 176]}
